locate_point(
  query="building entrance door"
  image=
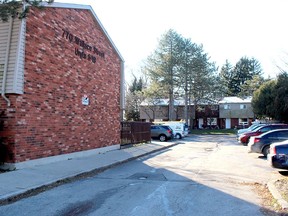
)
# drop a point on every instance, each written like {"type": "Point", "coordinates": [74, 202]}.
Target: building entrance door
{"type": "Point", "coordinates": [200, 123]}
{"type": "Point", "coordinates": [228, 123]}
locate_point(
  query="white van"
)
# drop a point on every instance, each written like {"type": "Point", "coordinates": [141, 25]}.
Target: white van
{"type": "Point", "coordinates": [179, 129]}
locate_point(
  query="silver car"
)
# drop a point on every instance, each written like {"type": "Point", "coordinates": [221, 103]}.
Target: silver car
{"type": "Point", "coordinates": [161, 132]}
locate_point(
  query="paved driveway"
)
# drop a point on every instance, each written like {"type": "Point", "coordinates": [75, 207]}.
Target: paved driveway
{"type": "Point", "coordinates": [202, 175]}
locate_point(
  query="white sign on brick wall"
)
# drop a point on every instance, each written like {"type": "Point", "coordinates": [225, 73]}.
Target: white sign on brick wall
{"type": "Point", "coordinates": [85, 100]}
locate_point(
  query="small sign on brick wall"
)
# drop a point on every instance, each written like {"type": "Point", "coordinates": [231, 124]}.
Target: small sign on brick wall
{"type": "Point", "coordinates": [85, 100]}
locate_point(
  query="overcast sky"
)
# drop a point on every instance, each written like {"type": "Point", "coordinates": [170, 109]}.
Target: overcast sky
{"type": "Point", "coordinates": [228, 29]}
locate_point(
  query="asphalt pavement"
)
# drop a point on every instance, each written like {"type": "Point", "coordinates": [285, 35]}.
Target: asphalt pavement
{"type": "Point", "coordinates": [22, 181]}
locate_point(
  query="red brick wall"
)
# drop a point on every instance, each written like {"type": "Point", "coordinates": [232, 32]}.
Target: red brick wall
{"type": "Point", "coordinates": [49, 118]}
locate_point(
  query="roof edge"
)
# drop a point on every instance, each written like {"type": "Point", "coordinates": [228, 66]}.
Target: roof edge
{"type": "Point", "coordinates": [86, 7]}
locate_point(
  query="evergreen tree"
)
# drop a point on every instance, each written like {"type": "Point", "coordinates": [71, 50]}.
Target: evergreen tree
{"type": "Point", "coordinates": [182, 69]}
{"type": "Point", "coordinates": [133, 99]}
{"type": "Point", "coordinates": [18, 9]}
{"type": "Point", "coordinates": [153, 96]}
{"type": "Point", "coordinates": [244, 70]}
{"type": "Point", "coordinates": [281, 97]}
{"type": "Point", "coordinates": [250, 86]}
{"type": "Point", "coordinates": [271, 99]}
{"type": "Point", "coordinates": [226, 74]}
{"type": "Point", "coordinates": [203, 77]}
{"type": "Point", "coordinates": [263, 99]}
{"type": "Point", "coordinates": [162, 65]}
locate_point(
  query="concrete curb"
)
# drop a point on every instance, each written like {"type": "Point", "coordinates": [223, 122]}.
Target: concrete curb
{"type": "Point", "coordinates": [38, 188]}
{"type": "Point", "coordinates": [272, 188]}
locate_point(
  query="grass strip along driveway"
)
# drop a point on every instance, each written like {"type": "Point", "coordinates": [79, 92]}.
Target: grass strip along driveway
{"type": "Point", "coordinates": [214, 131]}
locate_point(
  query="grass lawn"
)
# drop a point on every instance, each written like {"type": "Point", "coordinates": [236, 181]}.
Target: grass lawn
{"type": "Point", "coordinates": [213, 131]}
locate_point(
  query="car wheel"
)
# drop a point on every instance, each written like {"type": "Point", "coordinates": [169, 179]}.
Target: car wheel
{"type": "Point", "coordinates": [266, 150]}
{"type": "Point", "coordinates": [246, 143]}
{"type": "Point", "coordinates": [178, 136]}
{"type": "Point", "coordinates": [162, 138]}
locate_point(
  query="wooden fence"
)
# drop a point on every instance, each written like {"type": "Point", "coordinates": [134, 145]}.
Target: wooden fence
{"type": "Point", "coordinates": [135, 132]}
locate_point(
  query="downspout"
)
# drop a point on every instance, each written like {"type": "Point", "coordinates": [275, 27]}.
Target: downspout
{"type": "Point", "coordinates": [6, 62]}
{"type": "Point", "coordinates": [122, 90]}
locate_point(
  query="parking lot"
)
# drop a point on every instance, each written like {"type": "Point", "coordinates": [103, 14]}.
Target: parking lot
{"type": "Point", "coordinates": [225, 155]}
{"type": "Point", "coordinates": [208, 175]}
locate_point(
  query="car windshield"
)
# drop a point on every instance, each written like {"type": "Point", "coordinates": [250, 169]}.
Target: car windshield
{"type": "Point", "coordinates": [276, 133]}
{"type": "Point", "coordinates": [166, 127]}
{"type": "Point", "coordinates": [270, 134]}
{"type": "Point", "coordinates": [256, 128]}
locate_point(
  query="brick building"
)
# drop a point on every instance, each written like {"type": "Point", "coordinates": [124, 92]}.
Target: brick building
{"type": "Point", "coordinates": [61, 86]}
{"type": "Point", "coordinates": [229, 112]}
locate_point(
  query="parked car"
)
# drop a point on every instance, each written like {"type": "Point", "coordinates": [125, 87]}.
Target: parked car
{"type": "Point", "coordinates": [261, 143]}
{"type": "Point", "coordinates": [161, 132]}
{"type": "Point", "coordinates": [179, 129]}
{"type": "Point", "coordinates": [278, 156]}
{"type": "Point", "coordinates": [244, 138]}
{"type": "Point", "coordinates": [251, 128]}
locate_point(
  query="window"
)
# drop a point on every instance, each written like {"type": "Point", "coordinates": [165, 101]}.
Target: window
{"type": "Point", "coordinates": [272, 135]}
{"type": "Point", "coordinates": [243, 106]}
{"type": "Point", "coordinates": [243, 121]}
{"type": "Point", "coordinates": [212, 121]}
{"type": "Point", "coordinates": [227, 107]}
{"type": "Point", "coordinates": [200, 108]}
{"type": "Point", "coordinates": [265, 129]}
{"type": "Point", "coordinates": [283, 135]}
{"type": "Point", "coordinates": [214, 107]}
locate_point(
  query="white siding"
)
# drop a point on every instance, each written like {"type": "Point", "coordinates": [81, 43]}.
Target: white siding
{"type": "Point", "coordinates": [3, 40]}
{"type": "Point", "coordinates": [1, 71]}
{"type": "Point", "coordinates": [15, 70]}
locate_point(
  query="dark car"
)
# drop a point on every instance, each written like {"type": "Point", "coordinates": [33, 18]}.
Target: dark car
{"type": "Point", "coordinates": [249, 129]}
{"type": "Point", "coordinates": [261, 143]}
{"type": "Point", "coordinates": [278, 156]}
{"type": "Point", "coordinates": [161, 132]}
{"type": "Point", "coordinates": [244, 138]}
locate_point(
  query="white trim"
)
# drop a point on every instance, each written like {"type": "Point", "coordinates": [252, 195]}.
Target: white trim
{"type": "Point", "coordinates": [20, 57]}
{"type": "Point", "coordinates": [86, 7]}
{"type": "Point", "coordinates": [235, 100]}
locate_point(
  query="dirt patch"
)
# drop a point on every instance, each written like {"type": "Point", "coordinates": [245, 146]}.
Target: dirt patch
{"type": "Point", "coordinates": [282, 187]}
{"type": "Point", "coordinates": [270, 207]}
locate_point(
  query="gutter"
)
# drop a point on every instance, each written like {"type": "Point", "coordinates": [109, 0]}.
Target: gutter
{"type": "Point", "coordinates": [6, 62]}
{"type": "Point", "coordinates": [122, 90]}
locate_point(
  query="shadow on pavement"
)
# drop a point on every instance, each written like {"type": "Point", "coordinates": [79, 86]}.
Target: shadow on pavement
{"type": "Point", "coordinates": [140, 187]}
